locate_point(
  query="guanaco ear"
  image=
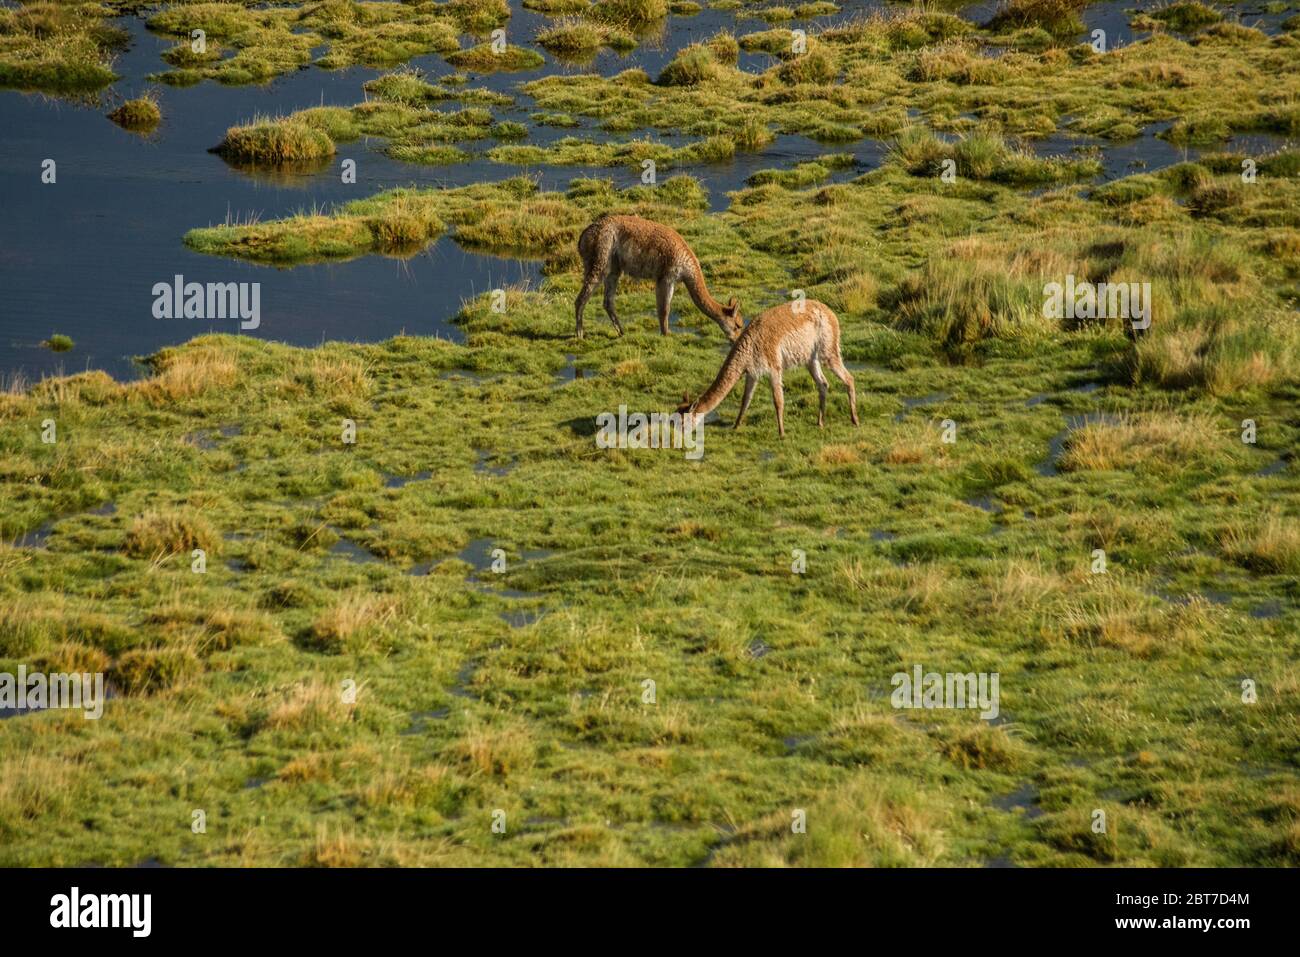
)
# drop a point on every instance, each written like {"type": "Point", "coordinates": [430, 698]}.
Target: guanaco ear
{"type": "Point", "coordinates": [686, 398]}
{"type": "Point", "coordinates": [731, 306]}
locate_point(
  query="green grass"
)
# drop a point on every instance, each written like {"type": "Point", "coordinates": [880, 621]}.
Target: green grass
{"type": "Point", "coordinates": [821, 8]}
{"type": "Point", "coordinates": [479, 16]}
{"type": "Point", "coordinates": [141, 113]}
{"type": "Point", "coordinates": [483, 59]}
{"type": "Point", "coordinates": [691, 66]}
{"type": "Point", "coordinates": [278, 140]}
{"type": "Point", "coordinates": [547, 720]}
{"type": "Point", "coordinates": [557, 7]}
{"type": "Point", "coordinates": [526, 692]}
{"type": "Point", "coordinates": [634, 13]}
{"type": "Point", "coordinates": [1060, 18]}
{"type": "Point", "coordinates": [865, 76]}
{"type": "Point", "coordinates": [573, 151]}
{"type": "Point", "coordinates": [58, 48]}
{"type": "Point", "coordinates": [803, 175]}
{"type": "Point", "coordinates": [984, 155]}
{"type": "Point", "coordinates": [577, 38]}
{"type": "Point", "coordinates": [1162, 483]}
{"type": "Point", "coordinates": [776, 14]}
{"type": "Point", "coordinates": [1185, 16]}
{"type": "Point", "coordinates": [508, 216]}
{"type": "Point", "coordinates": [269, 42]}
{"type": "Point", "coordinates": [400, 109]}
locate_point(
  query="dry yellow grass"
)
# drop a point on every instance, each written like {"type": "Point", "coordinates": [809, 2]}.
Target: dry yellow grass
{"type": "Point", "coordinates": [836, 456]}
{"type": "Point", "coordinates": [92, 387]}
{"type": "Point", "coordinates": [917, 445]}
{"type": "Point", "coordinates": [1271, 546]}
{"type": "Point", "coordinates": [309, 706]}
{"type": "Point", "coordinates": [327, 376]}
{"type": "Point", "coordinates": [912, 587]}
{"type": "Point", "coordinates": [629, 367]}
{"type": "Point", "coordinates": [405, 786]}
{"type": "Point", "coordinates": [1023, 584]}
{"type": "Point", "coordinates": [674, 724]}
{"type": "Point", "coordinates": [348, 621]}
{"type": "Point", "coordinates": [861, 823]}
{"type": "Point", "coordinates": [32, 786]}
{"type": "Point", "coordinates": [856, 294]}
{"type": "Point", "coordinates": [495, 751]}
{"type": "Point", "coordinates": [1112, 615]}
{"type": "Point", "coordinates": [1135, 439]}
{"type": "Point", "coordinates": [158, 535]}
{"type": "Point", "coordinates": [336, 848]}
{"type": "Point", "coordinates": [183, 374]}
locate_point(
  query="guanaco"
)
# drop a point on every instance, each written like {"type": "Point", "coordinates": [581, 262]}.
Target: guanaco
{"type": "Point", "coordinates": [614, 245]}
{"type": "Point", "coordinates": [805, 333]}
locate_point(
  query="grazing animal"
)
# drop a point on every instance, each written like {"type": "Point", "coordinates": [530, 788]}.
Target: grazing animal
{"type": "Point", "coordinates": [804, 333]}
{"type": "Point", "coordinates": [614, 245]}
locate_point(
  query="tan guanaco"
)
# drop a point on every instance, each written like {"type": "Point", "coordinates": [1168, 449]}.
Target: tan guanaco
{"type": "Point", "coordinates": [614, 245]}
{"type": "Point", "coordinates": [803, 333]}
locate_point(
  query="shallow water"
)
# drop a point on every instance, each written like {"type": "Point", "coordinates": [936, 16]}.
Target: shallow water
{"type": "Point", "coordinates": [81, 256]}
{"type": "Point", "coordinates": [1024, 800]}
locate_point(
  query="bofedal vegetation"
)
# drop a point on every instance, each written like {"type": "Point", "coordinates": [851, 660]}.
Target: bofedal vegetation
{"type": "Point", "coordinates": [668, 658]}
{"type": "Point", "coordinates": [141, 114]}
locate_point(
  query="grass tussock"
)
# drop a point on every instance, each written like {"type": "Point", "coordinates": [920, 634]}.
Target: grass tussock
{"type": "Point", "coordinates": [499, 752]}
{"type": "Point", "coordinates": [634, 13]}
{"type": "Point", "coordinates": [1270, 546]}
{"type": "Point", "coordinates": [984, 155]}
{"type": "Point", "coordinates": [978, 291]}
{"type": "Point", "coordinates": [484, 59]}
{"type": "Point", "coordinates": [862, 823]}
{"type": "Point", "coordinates": [693, 65]}
{"type": "Point", "coordinates": [1185, 16]}
{"type": "Point", "coordinates": [282, 140]}
{"type": "Point", "coordinates": [160, 534]}
{"type": "Point", "coordinates": [141, 113]}
{"type": "Point", "coordinates": [350, 623]}
{"type": "Point", "coordinates": [577, 38]}
{"type": "Point", "coordinates": [1060, 18]}
{"type": "Point", "coordinates": [1129, 441]}
{"type": "Point", "coordinates": [310, 706]}
{"type": "Point", "coordinates": [58, 48]}
{"type": "Point", "coordinates": [182, 374]}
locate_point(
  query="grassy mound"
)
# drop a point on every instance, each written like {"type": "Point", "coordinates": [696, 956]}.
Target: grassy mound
{"type": "Point", "coordinates": [577, 38]}
{"type": "Point", "coordinates": [141, 113]}
{"type": "Point", "coordinates": [483, 59]}
{"type": "Point", "coordinates": [1060, 18]}
{"type": "Point", "coordinates": [280, 140]}
{"type": "Point", "coordinates": [57, 48]}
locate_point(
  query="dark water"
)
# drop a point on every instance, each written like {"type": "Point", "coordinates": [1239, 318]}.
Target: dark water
{"type": "Point", "coordinates": [81, 256]}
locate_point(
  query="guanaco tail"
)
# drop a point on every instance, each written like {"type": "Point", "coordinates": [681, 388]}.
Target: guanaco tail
{"type": "Point", "coordinates": [804, 333]}
{"type": "Point", "coordinates": [614, 245]}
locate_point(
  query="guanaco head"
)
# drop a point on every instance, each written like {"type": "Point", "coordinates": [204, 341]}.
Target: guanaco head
{"type": "Point", "coordinates": [688, 405]}
{"type": "Point", "coordinates": [734, 322]}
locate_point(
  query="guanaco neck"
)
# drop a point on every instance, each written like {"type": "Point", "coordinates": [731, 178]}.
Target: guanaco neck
{"type": "Point", "coordinates": [733, 367]}
{"type": "Point", "coordinates": [700, 295]}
